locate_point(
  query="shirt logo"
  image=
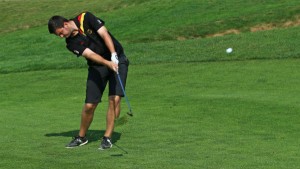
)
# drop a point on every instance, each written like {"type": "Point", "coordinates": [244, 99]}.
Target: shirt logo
{"type": "Point", "coordinates": [99, 21]}
{"type": "Point", "coordinates": [89, 31]}
{"type": "Point", "coordinates": [76, 52]}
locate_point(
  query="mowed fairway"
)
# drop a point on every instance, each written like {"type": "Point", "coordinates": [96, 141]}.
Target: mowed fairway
{"type": "Point", "coordinates": [194, 105]}
{"type": "Point", "coordinates": [239, 114]}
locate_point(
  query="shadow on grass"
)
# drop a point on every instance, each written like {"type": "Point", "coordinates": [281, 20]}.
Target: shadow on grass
{"type": "Point", "coordinates": [92, 135]}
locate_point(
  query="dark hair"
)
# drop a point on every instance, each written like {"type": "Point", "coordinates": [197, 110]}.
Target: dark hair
{"type": "Point", "coordinates": [56, 22]}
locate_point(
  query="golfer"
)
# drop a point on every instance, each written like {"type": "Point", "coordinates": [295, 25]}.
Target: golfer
{"type": "Point", "coordinates": [87, 36]}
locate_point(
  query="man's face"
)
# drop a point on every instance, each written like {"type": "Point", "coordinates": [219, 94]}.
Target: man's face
{"type": "Point", "coordinates": [63, 32]}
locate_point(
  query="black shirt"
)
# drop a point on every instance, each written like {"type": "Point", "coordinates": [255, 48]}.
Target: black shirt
{"type": "Point", "coordinates": [88, 37]}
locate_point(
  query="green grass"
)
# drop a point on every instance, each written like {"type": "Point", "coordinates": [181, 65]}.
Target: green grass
{"type": "Point", "coordinates": [154, 20]}
{"type": "Point", "coordinates": [49, 52]}
{"type": "Point", "coordinates": [219, 115]}
{"type": "Point", "coordinates": [194, 105]}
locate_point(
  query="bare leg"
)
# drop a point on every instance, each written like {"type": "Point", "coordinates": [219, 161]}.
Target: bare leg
{"type": "Point", "coordinates": [87, 116]}
{"type": "Point", "coordinates": [117, 100]}
{"type": "Point", "coordinates": [112, 113]}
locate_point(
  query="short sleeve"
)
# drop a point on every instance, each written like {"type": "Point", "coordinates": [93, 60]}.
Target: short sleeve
{"type": "Point", "coordinates": [77, 49]}
{"type": "Point", "coordinates": [93, 21]}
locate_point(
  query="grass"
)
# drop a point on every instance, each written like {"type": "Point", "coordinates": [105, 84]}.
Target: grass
{"type": "Point", "coordinates": [194, 105]}
{"type": "Point", "coordinates": [244, 117]}
{"type": "Point", "coordinates": [48, 52]}
{"type": "Point", "coordinates": [173, 18]}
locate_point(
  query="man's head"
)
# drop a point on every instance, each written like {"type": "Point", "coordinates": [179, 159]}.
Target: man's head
{"type": "Point", "coordinates": [59, 26]}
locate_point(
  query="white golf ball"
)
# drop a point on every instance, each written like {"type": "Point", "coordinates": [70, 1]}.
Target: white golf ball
{"type": "Point", "coordinates": [229, 50]}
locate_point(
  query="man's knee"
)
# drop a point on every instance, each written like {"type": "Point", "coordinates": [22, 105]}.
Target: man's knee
{"type": "Point", "coordinates": [90, 107]}
{"type": "Point", "coordinates": [114, 100]}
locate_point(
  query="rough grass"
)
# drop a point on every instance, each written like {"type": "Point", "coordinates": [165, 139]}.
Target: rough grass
{"type": "Point", "coordinates": [154, 20]}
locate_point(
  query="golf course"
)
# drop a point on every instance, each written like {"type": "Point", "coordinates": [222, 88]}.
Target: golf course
{"type": "Point", "coordinates": [195, 106]}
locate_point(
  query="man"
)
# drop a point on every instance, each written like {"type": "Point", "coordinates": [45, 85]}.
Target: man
{"type": "Point", "coordinates": [87, 36]}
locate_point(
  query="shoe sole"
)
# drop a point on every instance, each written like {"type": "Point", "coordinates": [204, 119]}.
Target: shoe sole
{"type": "Point", "coordinates": [82, 144]}
{"type": "Point", "coordinates": [100, 148]}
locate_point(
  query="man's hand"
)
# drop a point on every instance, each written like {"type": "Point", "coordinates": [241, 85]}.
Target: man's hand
{"type": "Point", "coordinates": [113, 66]}
{"type": "Point", "coordinates": [114, 58]}
{"type": "Point", "coordinates": [89, 54]}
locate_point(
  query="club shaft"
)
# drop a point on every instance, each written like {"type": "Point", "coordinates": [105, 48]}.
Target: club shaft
{"type": "Point", "coordinates": [126, 98]}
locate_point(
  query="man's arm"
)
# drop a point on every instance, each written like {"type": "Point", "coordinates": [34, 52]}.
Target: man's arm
{"type": "Point", "coordinates": [107, 38]}
{"type": "Point", "coordinates": [109, 43]}
{"type": "Point", "coordinates": [89, 54]}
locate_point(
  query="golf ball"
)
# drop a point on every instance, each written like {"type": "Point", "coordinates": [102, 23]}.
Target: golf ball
{"type": "Point", "coordinates": [229, 50]}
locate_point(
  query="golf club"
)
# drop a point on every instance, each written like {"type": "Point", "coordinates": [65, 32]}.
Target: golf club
{"type": "Point", "coordinates": [127, 101]}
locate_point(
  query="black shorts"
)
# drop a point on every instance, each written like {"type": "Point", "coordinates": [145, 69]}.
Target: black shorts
{"type": "Point", "coordinates": [99, 76]}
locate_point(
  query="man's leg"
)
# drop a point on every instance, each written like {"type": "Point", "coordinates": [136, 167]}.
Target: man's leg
{"type": "Point", "coordinates": [86, 120]}
{"type": "Point", "coordinates": [112, 113]}
{"type": "Point", "coordinates": [117, 101]}
{"type": "Point", "coordinates": [87, 116]}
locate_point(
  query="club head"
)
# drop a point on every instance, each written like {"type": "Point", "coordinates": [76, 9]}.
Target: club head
{"type": "Point", "coordinates": [130, 113]}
